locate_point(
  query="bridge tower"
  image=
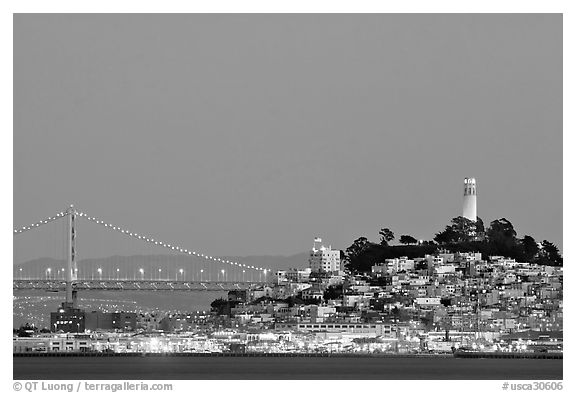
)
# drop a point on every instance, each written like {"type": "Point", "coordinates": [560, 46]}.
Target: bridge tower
{"type": "Point", "coordinates": [71, 268]}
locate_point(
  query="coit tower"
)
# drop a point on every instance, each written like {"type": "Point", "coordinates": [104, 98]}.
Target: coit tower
{"type": "Point", "coordinates": [469, 206]}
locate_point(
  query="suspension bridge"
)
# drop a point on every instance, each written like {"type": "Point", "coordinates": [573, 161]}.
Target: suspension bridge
{"type": "Point", "coordinates": [188, 270]}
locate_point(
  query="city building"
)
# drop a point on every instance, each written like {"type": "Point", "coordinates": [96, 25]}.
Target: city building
{"type": "Point", "coordinates": [324, 259]}
{"type": "Point", "coordinates": [97, 320]}
{"type": "Point", "coordinates": [67, 319]}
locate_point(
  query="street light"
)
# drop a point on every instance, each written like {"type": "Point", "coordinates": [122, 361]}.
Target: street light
{"type": "Point", "coordinates": [201, 271]}
{"type": "Point", "coordinates": [117, 274]}
{"type": "Point", "coordinates": [182, 273]}
{"type": "Point", "coordinates": [99, 270]}
{"type": "Point", "coordinates": [141, 274]}
{"type": "Point", "coordinates": [223, 276]}
{"type": "Point", "coordinates": [243, 273]}
{"type": "Point", "coordinates": [48, 271]}
{"type": "Point", "coordinates": [159, 274]}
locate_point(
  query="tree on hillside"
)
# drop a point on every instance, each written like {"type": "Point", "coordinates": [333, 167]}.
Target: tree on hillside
{"type": "Point", "coordinates": [530, 248]}
{"type": "Point", "coordinates": [222, 306]}
{"type": "Point", "coordinates": [501, 228]}
{"type": "Point", "coordinates": [333, 292]}
{"type": "Point", "coordinates": [357, 247]}
{"type": "Point", "coordinates": [448, 235]}
{"type": "Point", "coordinates": [386, 235]}
{"type": "Point", "coordinates": [480, 230]}
{"type": "Point", "coordinates": [465, 228]}
{"type": "Point", "coordinates": [460, 230]}
{"type": "Point", "coordinates": [549, 254]}
{"type": "Point", "coordinates": [362, 255]}
{"type": "Point", "coordinates": [407, 239]}
{"type": "Point", "coordinates": [501, 237]}
{"type": "Point", "coordinates": [352, 252]}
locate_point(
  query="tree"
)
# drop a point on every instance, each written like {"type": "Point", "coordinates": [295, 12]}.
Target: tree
{"type": "Point", "coordinates": [26, 330]}
{"type": "Point", "coordinates": [480, 230]}
{"type": "Point", "coordinates": [386, 235]}
{"type": "Point", "coordinates": [501, 237]}
{"type": "Point", "coordinates": [460, 230]}
{"type": "Point", "coordinates": [355, 252]}
{"type": "Point", "coordinates": [448, 235]}
{"type": "Point", "coordinates": [356, 248]}
{"type": "Point", "coordinates": [465, 228]}
{"type": "Point", "coordinates": [407, 239]}
{"type": "Point", "coordinates": [530, 248]}
{"type": "Point", "coordinates": [333, 292]}
{"type": "Point", "coordinates": [222, 306]}
{"type": "Point", "coordinates": [501, 228]}
{"type": "Point", "coordinates": [549, 254]}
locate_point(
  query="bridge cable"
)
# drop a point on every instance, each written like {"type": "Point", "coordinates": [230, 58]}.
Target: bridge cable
{"type": "Point", "coordinates": [169, 246]}
{"type": "Point", "coordinates": [40, 223]}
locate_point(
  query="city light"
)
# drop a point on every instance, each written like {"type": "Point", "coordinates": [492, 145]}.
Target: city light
{"type": "Point", "coordinates": [422, 305]}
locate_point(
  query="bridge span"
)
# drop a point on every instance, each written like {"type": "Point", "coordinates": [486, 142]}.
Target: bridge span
{"type": "Point", "coordinates": [134, 285]}
{"type": "Point", "coordinates": [220, 279]}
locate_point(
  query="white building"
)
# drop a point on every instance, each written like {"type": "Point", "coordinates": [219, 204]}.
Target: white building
{"type": "Point", "coordinates": [324, 259]}
{"type": "Point", "coordinates": [358, 329]}
{"type": "Point", "coordinates": [469, 256]}
{"type": "Point", "coordinates": [70, 343]}
{"type": "Point", "coordinates": [469, 205]}
{"type": "Point", "coordinates": [444, 270]}
{"type": "Point", "coordinates": [319, 313]}
{"type": "Point", "coordinates": [30, 344]}
{"type": "Point", "coordinates": [393, 266]}
{"type": "Point", "coordinates": [427, 301]}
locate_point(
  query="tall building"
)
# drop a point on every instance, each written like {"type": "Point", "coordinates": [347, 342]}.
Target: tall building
{"type": "Point", "coordinates": [469, 205]}
{"type": "Point", "coordinates": [71, 319]}
{"type": "Point", "coordinates": [324, 259]}
{"type": "Point", "coordinates": [98, 320]}
{"type": "Point", "coordinates": [68, 319]}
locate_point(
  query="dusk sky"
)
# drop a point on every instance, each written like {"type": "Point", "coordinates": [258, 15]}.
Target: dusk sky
{"type": "Point", "coordinates": [252, 134]}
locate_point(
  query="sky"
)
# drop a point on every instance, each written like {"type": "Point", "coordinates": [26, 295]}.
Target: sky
{"type": "Point", "coordinates": [251, 134]}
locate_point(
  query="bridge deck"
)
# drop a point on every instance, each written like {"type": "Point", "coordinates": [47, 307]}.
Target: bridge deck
{"type": "Point", "coordinates": [134, 285]}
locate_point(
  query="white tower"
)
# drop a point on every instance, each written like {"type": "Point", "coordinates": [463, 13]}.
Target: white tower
{"type": "Point", "coordinates": [469, 206]}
